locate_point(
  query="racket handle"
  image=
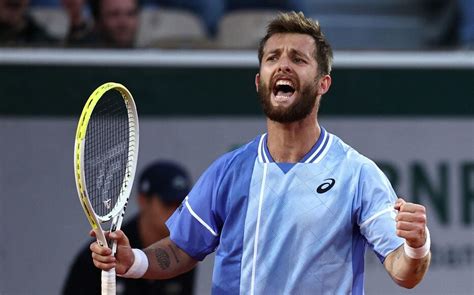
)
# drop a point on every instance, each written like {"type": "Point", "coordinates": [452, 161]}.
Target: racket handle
{"type": "Point", "coordinates": [108, 282]}
{"type": "Point", "coordinates": [117, 224]}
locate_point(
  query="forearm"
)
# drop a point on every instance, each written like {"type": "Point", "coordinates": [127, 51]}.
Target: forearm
{"type": "Point", "coordinates": [166, 260]}
{"type": "Point", "coordinates": [405, 271]}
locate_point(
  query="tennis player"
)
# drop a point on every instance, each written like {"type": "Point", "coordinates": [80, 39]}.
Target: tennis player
{"type": "Point", "coordinates": [292, 211]}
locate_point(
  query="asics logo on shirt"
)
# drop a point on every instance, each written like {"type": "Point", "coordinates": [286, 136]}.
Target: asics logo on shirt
{"type": "Point", "coordinates": [325, 186]}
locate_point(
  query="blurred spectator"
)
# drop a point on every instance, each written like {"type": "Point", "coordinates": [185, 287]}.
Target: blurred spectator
{"type": "Point", "coordinates": [162, 187]}
{"type": "Point", "coordinates": [115, 23]}
{"type": "Point", "coordinates": [17, 28]}
{"type": "Point", "coordinates": [466, 26]}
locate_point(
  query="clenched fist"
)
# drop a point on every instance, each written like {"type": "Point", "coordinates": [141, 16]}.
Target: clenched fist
{"type": "Point", "coordinates": [411, 223]}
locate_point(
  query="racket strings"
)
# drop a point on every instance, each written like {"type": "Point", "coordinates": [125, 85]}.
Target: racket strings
{"type": "Point", "coordinates": [106, 152]}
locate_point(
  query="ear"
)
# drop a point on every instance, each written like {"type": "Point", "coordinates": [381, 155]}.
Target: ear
{"type": "Point", "coordinates": [257, 81]}
{"type": "Point", "coordinates": [323, 84]}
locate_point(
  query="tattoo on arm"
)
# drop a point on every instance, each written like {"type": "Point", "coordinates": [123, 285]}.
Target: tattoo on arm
{"type": "Point", "coordinates": [398, 256]}
{"type": "Point", "coordinates": [421, 268]}
{"type": "Point", "coordinates": [162, 258]}
{"type": "Point", "coordinates": [174, 253]}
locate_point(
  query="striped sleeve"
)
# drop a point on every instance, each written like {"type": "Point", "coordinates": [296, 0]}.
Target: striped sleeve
{"type": "Point", "coordinates": [195, 225]}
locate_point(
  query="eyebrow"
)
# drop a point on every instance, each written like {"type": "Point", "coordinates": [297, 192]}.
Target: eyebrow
{"type": "Point", "coordinates": [300, 53]}
{"type": "Point", "coordinates": [274, 51]}
{"type": "Point", "coordinates": [292, 52]}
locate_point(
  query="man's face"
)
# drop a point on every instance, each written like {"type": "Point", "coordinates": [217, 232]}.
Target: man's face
{"type": "Point", "coordinates": [287, 82]}
{"type": "Point", "coordinates": [119, 22]}
{"type": "Point", "coordinates": [12, 11]}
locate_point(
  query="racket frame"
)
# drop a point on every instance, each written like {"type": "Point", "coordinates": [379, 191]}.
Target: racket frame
{"type": "Point", "coordinates": [117, 213]}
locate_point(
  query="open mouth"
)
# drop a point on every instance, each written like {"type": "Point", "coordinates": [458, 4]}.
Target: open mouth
{"type": "Point", "coordinates": [283, 89]}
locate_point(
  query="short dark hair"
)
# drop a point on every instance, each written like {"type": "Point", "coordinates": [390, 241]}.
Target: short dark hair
{"type": "Point", "coordinates": [292, 22]}
{"type": "Point", "coordinates": [167, 180]}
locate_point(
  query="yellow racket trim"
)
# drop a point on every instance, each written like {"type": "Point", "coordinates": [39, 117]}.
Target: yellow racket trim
{"type": "Point", "coordinates": [80, 136]}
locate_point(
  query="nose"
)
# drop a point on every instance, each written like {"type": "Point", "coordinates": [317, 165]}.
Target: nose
{"type": "Point", "coordinates": [284, 64]}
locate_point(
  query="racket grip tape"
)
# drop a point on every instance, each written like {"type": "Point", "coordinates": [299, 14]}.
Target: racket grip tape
{"type": "Point", "coordinates": [108, 282]}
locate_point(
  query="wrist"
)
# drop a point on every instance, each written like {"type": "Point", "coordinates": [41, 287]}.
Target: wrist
{"type": "Point", "coordinates": [139, 265]}
{"type": "Point", "coordinates": [420, 252]}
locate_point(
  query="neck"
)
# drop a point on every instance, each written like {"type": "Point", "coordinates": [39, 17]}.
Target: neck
{"type": "Point", "coordinates": [149, 234]}
{"type": "Point", "coordinates": [290, 142]}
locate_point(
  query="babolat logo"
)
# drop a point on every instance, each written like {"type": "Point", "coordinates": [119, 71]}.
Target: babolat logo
{"type": "Point", "coordinates": [326, 185]}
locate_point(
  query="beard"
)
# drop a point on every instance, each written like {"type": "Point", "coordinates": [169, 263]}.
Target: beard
{"type": "Point", "coordinates": [299, 110]}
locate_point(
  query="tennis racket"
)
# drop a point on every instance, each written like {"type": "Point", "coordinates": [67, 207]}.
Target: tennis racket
{"type": "Point", "coordinates": [105, 159]}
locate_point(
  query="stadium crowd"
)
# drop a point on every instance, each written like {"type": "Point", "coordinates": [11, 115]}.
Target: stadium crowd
{"type": "Point", "coordinates": [349, 24]}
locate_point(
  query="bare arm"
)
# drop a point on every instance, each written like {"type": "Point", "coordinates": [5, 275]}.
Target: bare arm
{"type": "Point", "coordinates": [405, 271]}
{"type": "Point", "coordinates": [166, 260]}
{"type": "Point", "coordinates": [411, 225]}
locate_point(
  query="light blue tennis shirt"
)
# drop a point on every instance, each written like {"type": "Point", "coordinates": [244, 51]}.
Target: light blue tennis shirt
{"type": "Point", "coordinates": [281, 228]}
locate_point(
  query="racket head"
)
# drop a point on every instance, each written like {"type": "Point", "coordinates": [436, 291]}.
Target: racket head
{"type": "Point", "coordinates": [106, 153]}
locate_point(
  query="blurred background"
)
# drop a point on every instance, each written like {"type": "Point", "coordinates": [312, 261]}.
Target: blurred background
{"type": "Point", "coordinates": [402, 94]}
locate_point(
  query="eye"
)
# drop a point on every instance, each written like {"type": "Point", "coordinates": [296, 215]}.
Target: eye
{"type": "Point", "coordinates": [271, 58]}
{"type": "Point", "coordinates": [298, 60]}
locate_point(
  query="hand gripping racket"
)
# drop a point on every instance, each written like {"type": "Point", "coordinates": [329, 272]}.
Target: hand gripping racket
{"type": "Point", "coordinates": [105, 159]}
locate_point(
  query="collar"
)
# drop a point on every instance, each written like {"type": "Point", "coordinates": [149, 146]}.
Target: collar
{"type": "Point", "coordinates": [317, 152]}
